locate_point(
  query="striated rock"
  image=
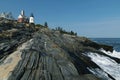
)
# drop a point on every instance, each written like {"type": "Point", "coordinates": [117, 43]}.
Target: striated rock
{"type": "Point", "coordinates": [50, 55]}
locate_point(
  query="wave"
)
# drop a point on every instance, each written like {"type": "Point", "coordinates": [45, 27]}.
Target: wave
{"type": "Point", "coordinates": [115, 53]}
{"type": "Point", "coordinates": [106, 64]}
{"type": "Point", "coordinates": [100, 73]}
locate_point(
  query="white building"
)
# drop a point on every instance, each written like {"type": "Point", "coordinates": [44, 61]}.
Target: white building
{"type": "Point", "coordinates": [31, 19]}
{"type": "Point", "coordinates": [23, 19]}
{"type": "Point", "coordinates": [7, 15]}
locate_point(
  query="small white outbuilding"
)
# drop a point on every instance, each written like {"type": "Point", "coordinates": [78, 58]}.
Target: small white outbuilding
{"type": "Point", "coordinates": [31, 19]}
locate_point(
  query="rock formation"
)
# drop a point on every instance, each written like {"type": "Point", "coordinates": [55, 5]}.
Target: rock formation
{"type": "Point", "coordinates": [44, 54]}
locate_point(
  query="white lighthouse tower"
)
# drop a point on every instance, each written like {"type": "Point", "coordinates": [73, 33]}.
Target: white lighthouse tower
{"type": "Point", "coordinates": [31, 19]}
{"type": "Point", "coordinates": [21, 17]}
{"type": "Point", "coordinates": [22, 12]}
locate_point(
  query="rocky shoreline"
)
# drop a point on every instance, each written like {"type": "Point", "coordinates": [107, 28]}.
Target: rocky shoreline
{"type": "Point", "coordinates": [48, 55]}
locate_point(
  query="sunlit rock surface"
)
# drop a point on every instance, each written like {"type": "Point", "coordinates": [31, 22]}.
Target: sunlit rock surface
{"type": "Point", "coordinates": [44, 54]}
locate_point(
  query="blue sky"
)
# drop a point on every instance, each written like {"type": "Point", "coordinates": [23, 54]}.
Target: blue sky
{"type": "Point", "coordinates": [90, 18]}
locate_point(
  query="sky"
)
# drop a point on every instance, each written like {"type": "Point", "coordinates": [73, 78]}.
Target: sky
{"type": "Point", "coordinates": [89, 18]}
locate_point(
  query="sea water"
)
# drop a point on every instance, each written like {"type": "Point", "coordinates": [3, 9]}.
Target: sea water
{"type": "Point", "coordinates": [107, 64]}
{"type": "Point", "coordinates": [115, 42]}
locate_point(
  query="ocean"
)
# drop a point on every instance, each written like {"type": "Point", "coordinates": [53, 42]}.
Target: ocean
{"type": "Point", "coordinates": [115, 42]}
{"type": "Point", "coordinates": [108, 64]}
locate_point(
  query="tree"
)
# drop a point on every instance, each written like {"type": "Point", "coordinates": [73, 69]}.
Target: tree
{"type": "Point", "coordinates": [72, 33]}
{"type": "Point", "coordinates": [38, 25]}
{"type": "Point", "coordinates": [46, 25]}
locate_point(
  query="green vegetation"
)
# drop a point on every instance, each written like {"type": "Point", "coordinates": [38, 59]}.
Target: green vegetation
{"type": "Point", "coordinates": [39, 25]}
{"type": "Point", "coordinates": [65, 32]}
{"type": "Point", "coordinates": [46, 24]}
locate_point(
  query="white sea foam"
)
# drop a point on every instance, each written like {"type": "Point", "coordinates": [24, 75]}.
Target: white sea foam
{"type": "Point", "coordinates": [99, 73]}
{"type": "Point", "coordinates": [113, 54]}
{"type": "Point", "coordinates": [106, 64]}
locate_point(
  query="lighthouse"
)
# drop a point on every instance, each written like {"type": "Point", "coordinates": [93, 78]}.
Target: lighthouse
{"type": "Point", "coordinates": [24, 19]}
{"type": "Point", "coordinates": [31, 19]}
{"type": "Point", "coordinates": [21, 17]}
{"type": "Point", "coordinates": [22, 12]}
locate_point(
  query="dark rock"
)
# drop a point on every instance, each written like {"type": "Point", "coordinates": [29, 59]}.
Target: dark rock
{"type": "Point", "coordinates": [97, 46]}
{"type": "Point", "coordinates": [51, 55]}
